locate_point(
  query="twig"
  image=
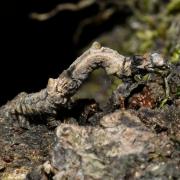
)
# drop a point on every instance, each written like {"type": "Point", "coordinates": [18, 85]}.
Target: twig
{"type": "Point", "coordinates": [101, 17]}
{"type": "Point", "coordinates": [62, 7]}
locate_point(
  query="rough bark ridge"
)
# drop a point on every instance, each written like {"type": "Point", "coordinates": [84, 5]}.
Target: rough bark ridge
{"type": "Point", "coordinates": [96, 144]}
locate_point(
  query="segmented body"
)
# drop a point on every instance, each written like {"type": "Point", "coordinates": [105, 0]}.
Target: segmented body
{"type": "Point", "coordinates": [60, 90]}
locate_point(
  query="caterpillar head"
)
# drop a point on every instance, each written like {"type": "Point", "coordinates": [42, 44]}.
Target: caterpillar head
{"type": "Point", "coordinates": [149, 62]}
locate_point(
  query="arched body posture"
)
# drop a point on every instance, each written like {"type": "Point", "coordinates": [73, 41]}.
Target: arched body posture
{"type": "Point", "coordinates": [59, 91]}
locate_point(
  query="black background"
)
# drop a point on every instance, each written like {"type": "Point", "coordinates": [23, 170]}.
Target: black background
{"type": "Point", "coordinates": [32, 51]}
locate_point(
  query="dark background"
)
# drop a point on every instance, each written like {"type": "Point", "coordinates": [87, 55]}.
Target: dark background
{"type": "Point", "coordinates": [32, 51]}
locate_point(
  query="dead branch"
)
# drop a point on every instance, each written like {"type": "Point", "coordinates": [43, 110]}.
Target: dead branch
{"type": "Point", "coordinates": [62, 7]}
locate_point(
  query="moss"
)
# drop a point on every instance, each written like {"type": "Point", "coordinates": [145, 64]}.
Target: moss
{"type": "Point", "coordinates": [173, 6]}
{"type": "Point", "coordinates": [176, 55]}
{"type": "Point", "coordinates": [178, 92]}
